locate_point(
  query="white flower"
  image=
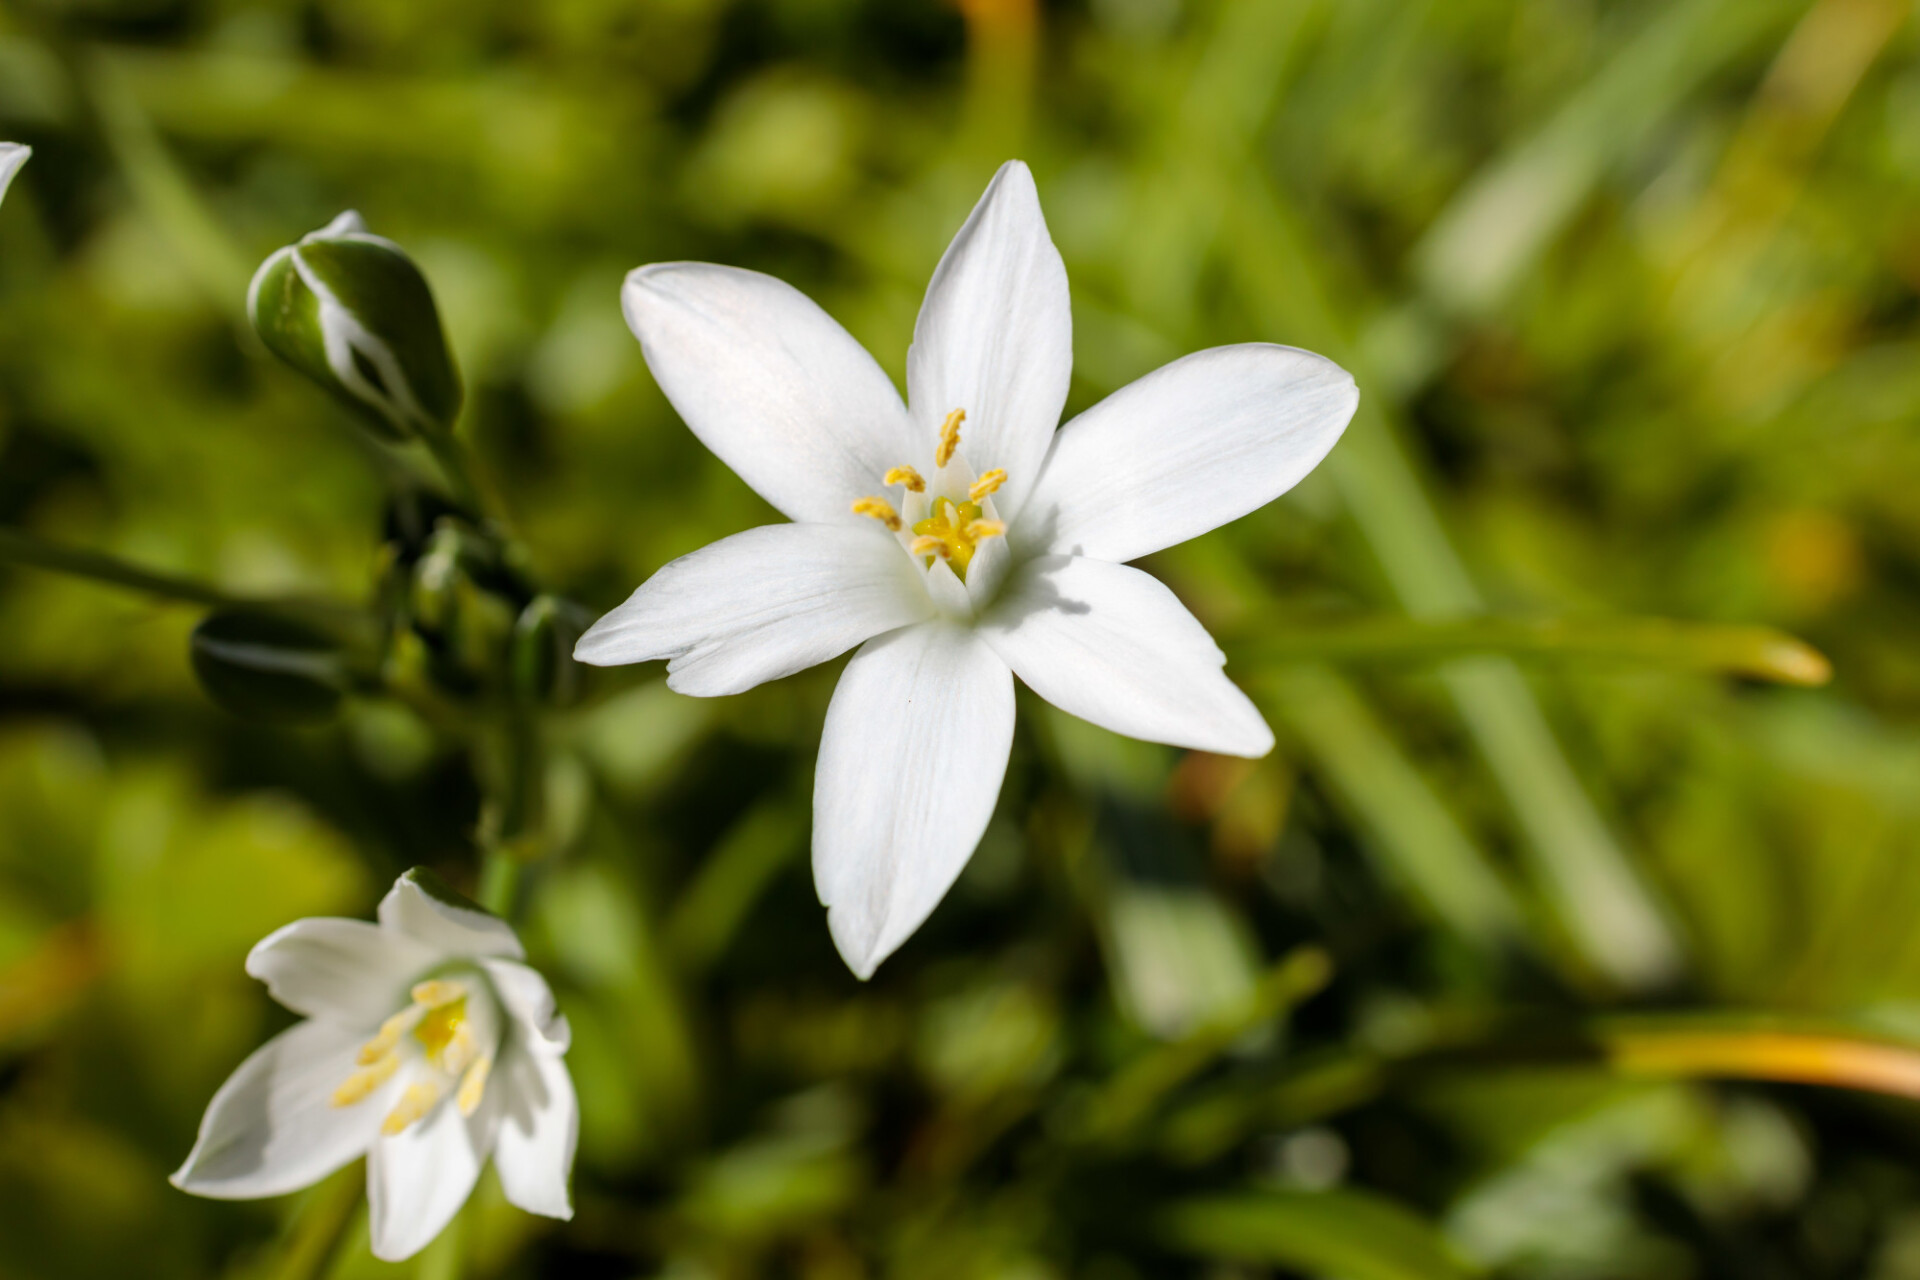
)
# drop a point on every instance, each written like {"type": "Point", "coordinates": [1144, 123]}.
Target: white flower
{"type": "Point", "coordinates": [427, 1046]}
{"type": "Point", "coordinates": [12, 156]}
{"type": "Point", "coordinates": [959, 540]}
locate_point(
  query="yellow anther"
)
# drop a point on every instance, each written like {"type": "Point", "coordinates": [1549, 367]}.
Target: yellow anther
{"type": "Point", "coordinates": [949, 437]}
{"type": "Point", "coordinates": [357, 1086]}
{"type": "Point", "coordinates": [435, 992]}
{"type": "Point", "coordinates": [414, 1103]}
{"type": "Point", "coordinates": [880, 509]}
{"type": "Point", "coordinates": [473, 1086]}
{"type": "Point", "coordinates": [908, 477]}
{"type": "Point", "coordinates": [986, 484]}
{"type": "Point", "coordinates": [389, 1035]}
{"type": "Point", "coordinates": [979, 529]}
{"type": "Point", "coordinates": [929, 546]}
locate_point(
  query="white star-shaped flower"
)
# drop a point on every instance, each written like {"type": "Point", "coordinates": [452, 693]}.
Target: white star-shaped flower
{"type": "Point", "coordinates": [958, 539]}
{"type": "Point", "coordinates": [428, 1045]}
{"type": "Point", "coordinates": [12, 156]}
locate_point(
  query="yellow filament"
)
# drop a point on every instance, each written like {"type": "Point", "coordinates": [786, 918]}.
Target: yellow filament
{"type": "Point", "coordinates": [908, 477]}
{"type": "Point", "coordinates": [357, 1086]}
{"type": "Point", "coordinates": [949, 437]}
{"type": "Point", "coordinates": [473, 1086]}
{"type": "Point", "coordinates": [414, 1103]}
{"type": "Point", "coordinates": [435, 992]}
{"type": "Point", "coordinates": [986, 484]}
{"type": "Point", "coordinates": [389, 1035]}
{"type": "Point", "coordinates": [879, 509]}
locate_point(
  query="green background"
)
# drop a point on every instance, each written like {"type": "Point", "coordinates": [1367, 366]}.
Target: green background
{"type": "Point", "coordinates": [1632, 293]}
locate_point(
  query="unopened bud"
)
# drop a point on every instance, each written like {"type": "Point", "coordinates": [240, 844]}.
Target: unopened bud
{"type": "Point", "coordinates": [12, 156]}
{"type": "Point", "coordinates": [351, 311]}
{"type": "Point", "coordinates": [543, 639]}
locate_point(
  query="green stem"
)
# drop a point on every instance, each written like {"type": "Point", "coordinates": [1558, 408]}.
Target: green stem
{"type": "Point", "coordinates": [499, 881]}
{"type": "Point", "coordinates": [24, 549]}
{"type": "Point", "coordinates": [1758, 652]}
{"type": "Point", "coordinates": [451, 457]}
{"type": "Point", "coordinates": [324, 1220]}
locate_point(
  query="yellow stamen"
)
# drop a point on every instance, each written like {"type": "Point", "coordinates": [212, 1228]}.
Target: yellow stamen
{"type": "Point", "coordinates": [442, 1027]}
{"type": "Point", "coordinates": [987, 529]}
{"type": "Point", "coordinates": [435, 992]}
{"type": "Point", "coordinates": [473, 1086]}
{"type": "Point", "coordinates": [459, 1051]}
{"type": "Point", "coordinates": [357, 1086]}
{"type": "Point", "coordinates": [414, 1103]}
{"type": "Point", "coordinates": [949, 437]}
{"type": "Point", "coordinates": [390, 1032]}
{"type": "Point", "coordinates": [986, 484]}
{"type": "Point", "coordinates": [908, 477]}
{"type": "Point", "coordinates": [953, 531]}
{"type": "Point", "coordinates": [929, 546]}
{"type": "Point", "coordinates": [880, 509]}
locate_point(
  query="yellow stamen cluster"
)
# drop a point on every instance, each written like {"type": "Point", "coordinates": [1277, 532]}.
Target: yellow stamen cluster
{"type": "Point", "coordinates": [879, 509]}
{"type": "Point", "coordinates": [953, 532]}
{"type": "Point", "coordinates": [438, 1020]}
{"type": "Point", "coordinates": [949, 437]}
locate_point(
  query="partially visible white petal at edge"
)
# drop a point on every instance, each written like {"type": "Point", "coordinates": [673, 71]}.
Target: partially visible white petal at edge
{"type": "Point", "coordinates": [995, 337]}
{"type": "Point", "coordinates": [1111, 644]}
{"type": "Point", "coordinates": [417, 1179]}
{"type": "Point", "coordinates": [272, 1127]}
{"type": "Point", "coordinates": [762, 604]}
{"type": "Point", "coordinates": [12, 156]}
{"type": "Point", "coordinates": [911, 760]}
{"type": "Point", "coordinates": [349, 971]}
{"type": "Point", "coordinates": [1191, 446]}
{"type": "Point", "coordinates": [539, 1130]}
{"type": "Point", "coordinates": [454, 929]}
{"type": "Point", "coordinates": [771, 383]}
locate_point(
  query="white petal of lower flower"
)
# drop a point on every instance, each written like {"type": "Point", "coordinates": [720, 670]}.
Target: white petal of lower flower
{"type": "Point", "coordinates": [771, 383]}
{"type": "Point", "coordinates": [538, 1132]}
{"type": "Point", "coordinates": [1197, 443]}
{"type": "Point", "coordinates": [529, 1001]}
{"type": "Point", "coordinates": [995, 337]}
{"type": "Point", "coordinates": [760, 605]}
{"type": "Point", "coordinates": [348, 971]}
{"type": "Point", "coordinates": [12, 156]}
{"type": "Point", "coordinates": [417, 1179]}
{"type": "Point", "coordinates": [456, 930]}
{"type": "Point", "coordinates": [272, 1128]}
{"type": "Point", "coordinates": [911, 761]}
{"type": "Point", "coordinates": [1113, 645]}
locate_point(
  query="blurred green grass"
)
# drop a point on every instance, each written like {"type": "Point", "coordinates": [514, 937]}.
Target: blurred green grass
{"type": "Point", "coordinates": [1630, 290]}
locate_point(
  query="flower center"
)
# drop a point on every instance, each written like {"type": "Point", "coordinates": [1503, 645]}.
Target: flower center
{"type": "Point", "coordinates": [447, 1035]}
{"type": "Point", "coordinates": [951, 530]}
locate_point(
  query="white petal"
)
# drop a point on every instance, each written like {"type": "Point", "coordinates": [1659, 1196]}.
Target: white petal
{"type": "Point", "coordinates": [417, 1179]}
{"type": "Point", "coordinates": [349, 971]}
{"type": "Point", "coordinates": [439, 922]}
{"type": "Point", "coordinates": [771, 383]}
{"type": "Point", "coordinates": [1111, 644]}
{"type": "Point", "coordinates": [529, 1002]}
{"type": "Point", "coordinates": [1185, 449]}
{"type": "Point", "coordinates": [272, 1128]}
{"type": "Point", "coordinates": [762, 604]}
{"type": "Point", "coordinates": [995, 337]}
{"type": "Point", "coordinates": [539, 1129]}
{"type": "Point", "coordinates": [910, 764]}
{"type": "Point", "coordinates": [12, 156]}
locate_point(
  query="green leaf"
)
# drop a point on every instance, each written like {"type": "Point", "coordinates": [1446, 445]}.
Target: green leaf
{"type": "Point", "coordinates": [1338, 1235]}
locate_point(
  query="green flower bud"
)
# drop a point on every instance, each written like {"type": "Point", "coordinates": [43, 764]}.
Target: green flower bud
{"type": "Point", "coordinates": [12, 156]}
{"type": "Point", "coordinates": [266, 667]}
{"type": "Point", "coordinates": [462, 606]}
{"type": "Point", "coordinates": [543, 669]}
{"type": "Point", "coordinates": [352, 312]}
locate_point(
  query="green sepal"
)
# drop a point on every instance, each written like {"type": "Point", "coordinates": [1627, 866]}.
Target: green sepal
{"type": "Point", "coordinates": [270, 668]}
{"type": "Point", "coordinates": [353, 313]}
{"type": "Point", "coordinates": [431, 883]}
{"type": "Point", "coordinates": [542, 665]}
